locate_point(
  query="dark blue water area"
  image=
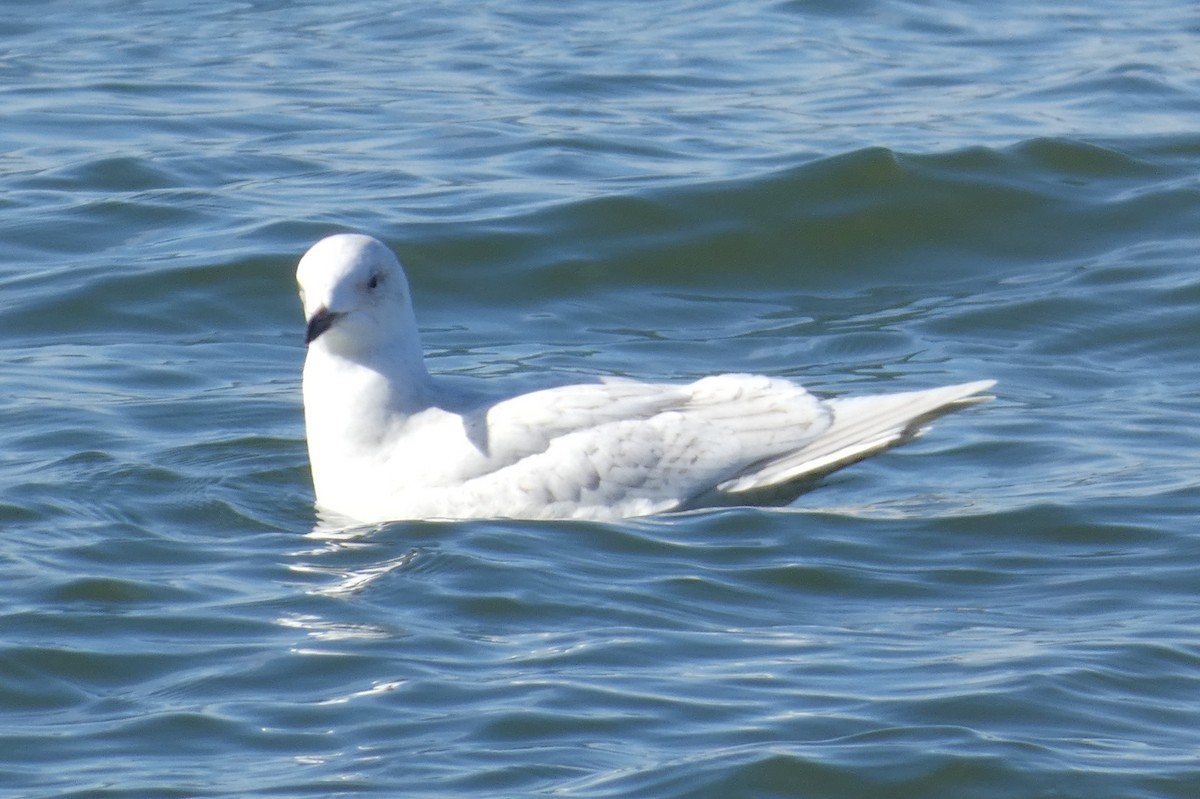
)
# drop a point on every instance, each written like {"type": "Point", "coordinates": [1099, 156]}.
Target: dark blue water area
{"type": "Point", "coordinates": [862, 196]}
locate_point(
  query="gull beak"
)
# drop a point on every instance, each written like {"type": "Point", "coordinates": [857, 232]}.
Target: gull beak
{"type": "Point", "coordinates": [321, 321]}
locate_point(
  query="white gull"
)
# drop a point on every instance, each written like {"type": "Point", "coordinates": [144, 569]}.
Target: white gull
{"type": "Point", "coordinates": [388, 441]}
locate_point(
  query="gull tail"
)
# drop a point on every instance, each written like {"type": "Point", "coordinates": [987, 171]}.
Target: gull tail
{"type": "Point", "coordinates": [861, 427]}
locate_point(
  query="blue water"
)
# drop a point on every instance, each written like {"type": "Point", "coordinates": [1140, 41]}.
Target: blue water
{"type": "Point", "coordinates": [865, 195]}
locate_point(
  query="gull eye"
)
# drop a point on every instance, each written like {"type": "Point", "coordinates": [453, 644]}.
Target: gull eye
{"type": "Point", "coordinates": [373, 283]}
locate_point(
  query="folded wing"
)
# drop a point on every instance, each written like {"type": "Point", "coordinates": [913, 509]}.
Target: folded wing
{"type": "Point", "coordinates": [860, 427]}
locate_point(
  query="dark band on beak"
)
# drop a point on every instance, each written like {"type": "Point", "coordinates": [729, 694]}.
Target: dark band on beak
{"type": "Point", "coordinates": [321, 321]}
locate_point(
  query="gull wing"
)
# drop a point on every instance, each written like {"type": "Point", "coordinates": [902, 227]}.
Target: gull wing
{"type": "Point", "coordinates": [622, 449]}
{"type": "Point", "coordinates": [861, 427]}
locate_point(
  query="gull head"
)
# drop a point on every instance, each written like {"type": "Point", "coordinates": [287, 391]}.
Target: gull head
{"type": "Point", "coordinates": [355, 296]}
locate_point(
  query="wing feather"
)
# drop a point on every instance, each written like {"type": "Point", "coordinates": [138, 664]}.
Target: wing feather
{"type": "Point", "coordinates": [861, 427]}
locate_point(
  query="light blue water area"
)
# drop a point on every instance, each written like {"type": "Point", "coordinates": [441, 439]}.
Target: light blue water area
{"type": "Point", "coordinates": [868, 195]}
